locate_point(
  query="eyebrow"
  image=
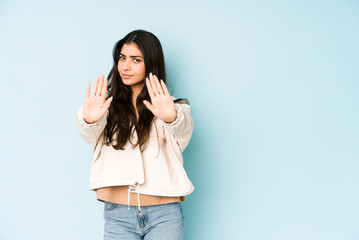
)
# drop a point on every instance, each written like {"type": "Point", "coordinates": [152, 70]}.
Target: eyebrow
{"type": "Point", "coordinates": [131, 56]}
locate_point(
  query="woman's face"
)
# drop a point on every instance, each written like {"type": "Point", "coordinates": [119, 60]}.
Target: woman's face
{"type": "Point", "coordinates": [131, 65]}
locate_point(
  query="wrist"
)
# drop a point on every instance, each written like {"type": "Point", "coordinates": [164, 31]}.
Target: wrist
{"type": "Point", "coordinates": [89, 120]}
{"type": "Point", "coordinates": [171, 120]}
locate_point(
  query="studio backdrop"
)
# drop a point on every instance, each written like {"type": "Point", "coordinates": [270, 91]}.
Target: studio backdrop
{"type": "Point", "coordinates": [273, 88]}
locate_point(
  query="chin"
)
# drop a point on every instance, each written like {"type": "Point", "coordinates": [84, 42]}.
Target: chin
{"type": "Point", "coordinates": [132, 83]}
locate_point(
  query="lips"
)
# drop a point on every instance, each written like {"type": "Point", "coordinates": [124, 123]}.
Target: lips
{"type": "Point", "coordinates": [126, 76]}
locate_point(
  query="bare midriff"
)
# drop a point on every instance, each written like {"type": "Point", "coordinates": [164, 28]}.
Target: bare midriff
{"type": "Point", "coordinates": [119, 195]}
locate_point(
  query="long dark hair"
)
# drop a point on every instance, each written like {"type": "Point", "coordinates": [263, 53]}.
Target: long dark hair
{"type": "Point", "coordinates": [122, 119]}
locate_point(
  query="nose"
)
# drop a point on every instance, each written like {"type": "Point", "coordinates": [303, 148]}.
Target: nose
{"type": "Point", "coordinates": [126, 65]}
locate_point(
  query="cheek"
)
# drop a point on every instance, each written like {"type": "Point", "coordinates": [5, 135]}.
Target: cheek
{"type": "Point", "coordinates": [142, 70]}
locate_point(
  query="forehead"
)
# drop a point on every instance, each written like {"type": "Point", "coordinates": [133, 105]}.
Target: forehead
{"type": "Point", "coordinates": [131, 49]}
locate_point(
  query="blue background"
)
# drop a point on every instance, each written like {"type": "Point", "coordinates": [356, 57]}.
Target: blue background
{"type": "Point", "coordinates": [273, 87]}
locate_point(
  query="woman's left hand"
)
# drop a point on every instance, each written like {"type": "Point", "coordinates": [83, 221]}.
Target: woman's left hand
{"type": "Point", "coordinates": [162, 103]}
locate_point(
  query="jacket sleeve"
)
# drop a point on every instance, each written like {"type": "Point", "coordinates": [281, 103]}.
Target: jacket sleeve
{"type": "Point", "coordinates": [181, 129]}
{"type": "Point", "coordinates": [90, 132]}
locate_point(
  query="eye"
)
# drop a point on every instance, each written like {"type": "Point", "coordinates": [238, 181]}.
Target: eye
{"type": "Point", "coordinates": [136, 60]}
{"type": "Point", "coordinates": [122, 58]}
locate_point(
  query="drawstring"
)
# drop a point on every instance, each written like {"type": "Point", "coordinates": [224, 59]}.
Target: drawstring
{"type": "Point", "coordinates": [138, 200]}
{"type": "Point", "coordinates": [128, 197]}
{"type": "Point", "coordinates": [131, 188]}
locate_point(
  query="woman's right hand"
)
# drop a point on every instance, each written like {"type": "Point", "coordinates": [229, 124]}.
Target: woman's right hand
{"type": "Point", "coordinates": [95, 104]}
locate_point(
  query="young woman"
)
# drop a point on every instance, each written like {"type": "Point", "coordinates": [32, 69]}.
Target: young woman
{"type": "Point", "coordinates": [138, 132]}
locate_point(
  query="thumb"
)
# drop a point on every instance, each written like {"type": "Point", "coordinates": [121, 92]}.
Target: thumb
{"type": "Point", "coordinates": [149, 106]}
{"type": "Point", "coordinates": [108, 102]}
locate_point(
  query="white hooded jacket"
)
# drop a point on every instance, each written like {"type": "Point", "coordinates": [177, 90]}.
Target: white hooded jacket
{"type": "Point", "coordinates": [158, 170]}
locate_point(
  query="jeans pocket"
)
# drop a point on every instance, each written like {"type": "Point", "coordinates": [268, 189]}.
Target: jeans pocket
{"type": "Point", "coordinates": [109, 205]}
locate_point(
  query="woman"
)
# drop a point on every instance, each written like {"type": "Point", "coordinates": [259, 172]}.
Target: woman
{"type": "Point", "coordinates": [138, 132]}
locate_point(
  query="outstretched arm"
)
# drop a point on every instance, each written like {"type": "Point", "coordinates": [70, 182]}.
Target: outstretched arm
{"type": "Point", "coordinates": [91, 119]}
{"type": "Point", "coordinates": [177, 117]}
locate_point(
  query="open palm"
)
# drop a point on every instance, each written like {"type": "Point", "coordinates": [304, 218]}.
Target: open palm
{"type": "Point", "coordinates": [162, 103]}
{"type": "Point", "coordinates": [95, 104]}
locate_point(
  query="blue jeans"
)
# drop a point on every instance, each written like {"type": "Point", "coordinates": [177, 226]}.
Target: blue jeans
{"type": "Point", "coordinates": [158, 222]}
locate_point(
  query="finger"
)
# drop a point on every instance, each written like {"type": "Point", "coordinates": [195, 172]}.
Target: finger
{"type": "Point", "coordinates": [150, 85]}
{"type": "Point", "coordinates": [153, 84]}
{"type": "Point", "coordinates": [164, 87]}
{"type": "Point", "coordinates": [108, 102]}
{"type": "Point", "coordinates": [94, 89]}
{"type": "Point", "coordinates": [104, 88]}
{"type": "Point", "coordinates": [149, 88]}
{"type": "Point", "coordinates": [88, 87]}
{"type": "Point", "coordinates": [99, 87]}
{"type": "Point", "coordinates": [158, 85]}
{"type": "Point", "coordinates": [149, 106]}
